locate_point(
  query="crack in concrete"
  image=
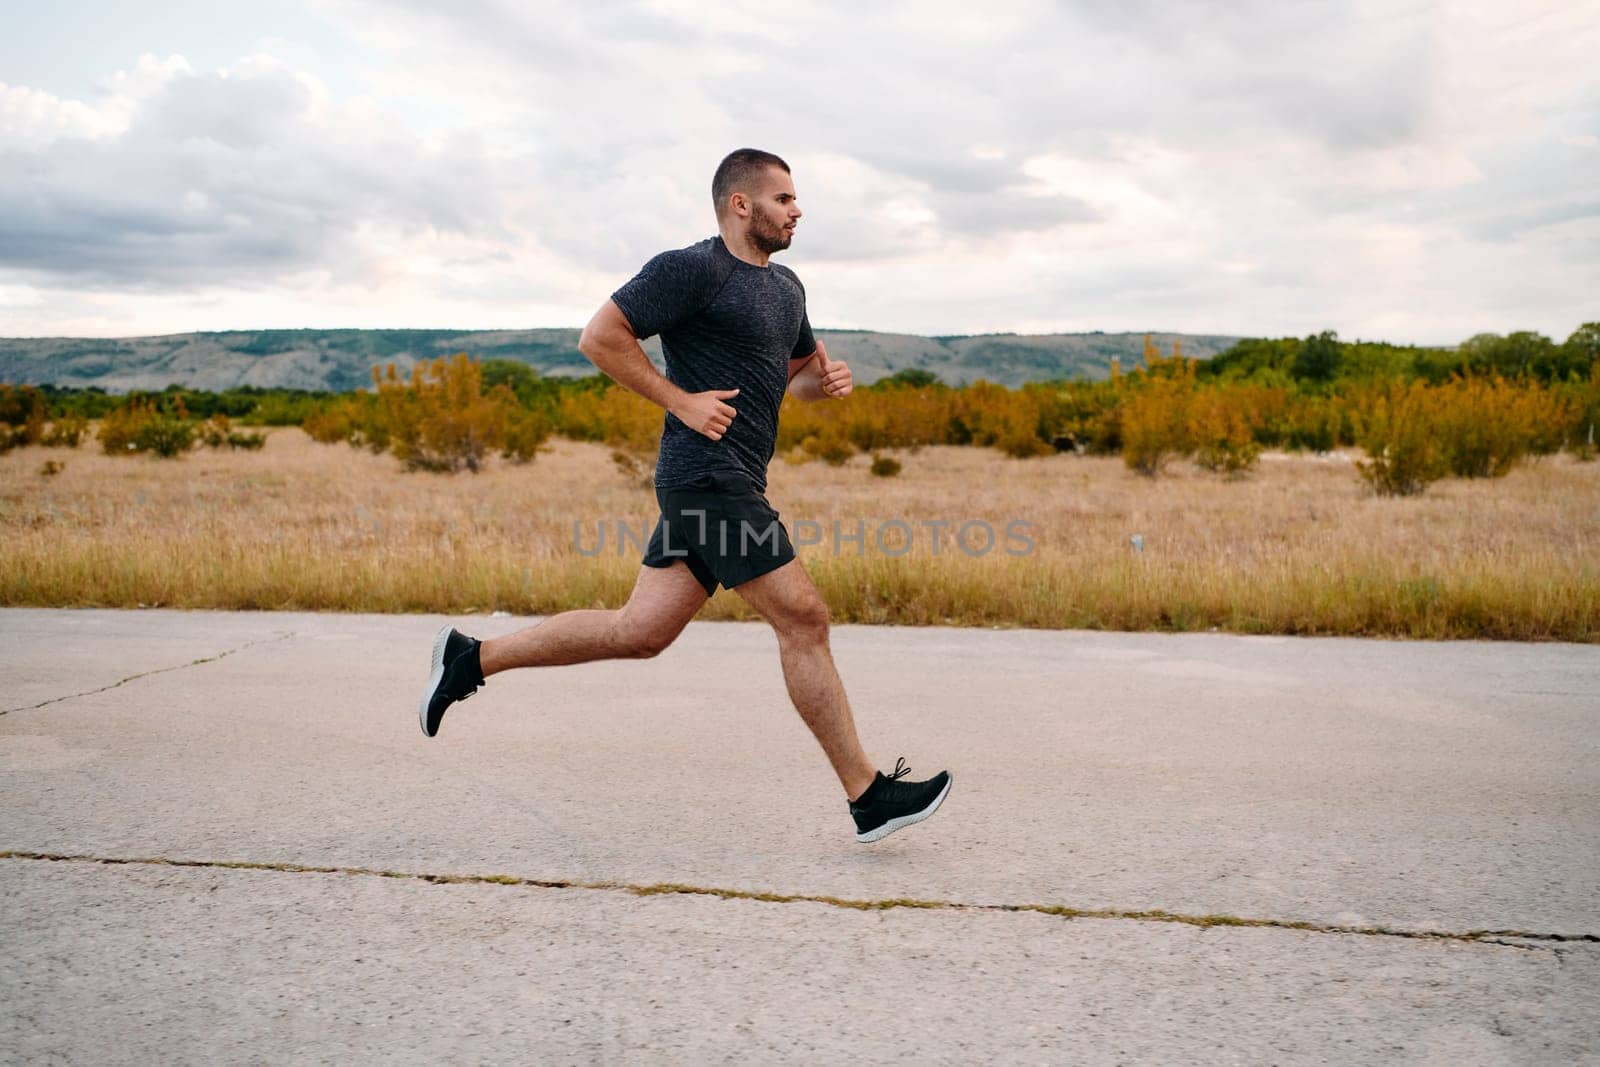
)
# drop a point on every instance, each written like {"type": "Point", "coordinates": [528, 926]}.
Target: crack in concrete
{"type": "Point", "coordinates": [282, 635]}
{"type": "Point", "coordinates": [1504, 938]}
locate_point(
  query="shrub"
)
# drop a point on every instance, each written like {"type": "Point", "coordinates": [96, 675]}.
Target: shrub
{"type": "Point", "coordinates": [1155, 426]}
{"type": "Point", "coordinates": [1080, 412]}
{"type": "Point", "coordinates": [885, 466]}
{"type": "Point", "coordinates": [213, 433]}
{"type": "Point", "coordinates": [1484, 426]}
{"type": "Point", "coordinates": [1315, 422]}
{"type": "Point", "coordinates": [1155, 423]}
{"type": "Point", "coordinates": [1021, 442]}
{"type": "Point", "coordinates": [141, 425]}
{"type": "Point", "coordinates": [1583, 410]}
{"type": "Point", "coordinates": [629, 421]}
{"type": "Point", "coordinates": [20, 404]}
{"type": "Point", "coordinates": [335, 422]}
{"type": "Point", "coordinates": [166, 435]}
{"type": "Point", "coordinates": [24, 421]}
{"type": "Point", "coordinates": [1395, 425]}
{"type": "Point", "coordinates": [217, 431]}
{"type": "Point", "coordinates": [1152, 417]}
{"type": "Point", "coordinates": [831, 446]}
{"type": "Point", "coordinates": [613, 415]}
{"type": "Point", "coordinates": [993, 416]}
{"type": "Point", "coordinates": [1584, 450]}
{"type": "Point", "coordinates": [119, 428]}
{"type": "Point", "coordinates": [1265, 410]}
{"type": "Point", "coordinates": [526, 433]}
{"type": "Point", "coordinates": [22, 416]}
{"type": "Point", "coordinates": [65, 431]}
{"type": "Point", "coordinates": [441, 418]}
{"type": "Point", "coordinates": [435, 421]}
{"type": "Point", "coordinates": [278, 409]}
{"type": "Point", "coordinates": [1221, 434]}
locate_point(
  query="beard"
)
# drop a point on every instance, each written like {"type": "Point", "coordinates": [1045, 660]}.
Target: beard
{"type": "Point", "coordinates": [767, 235]}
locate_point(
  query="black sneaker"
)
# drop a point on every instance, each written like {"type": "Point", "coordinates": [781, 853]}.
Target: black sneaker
{"type": "Point", "coordinates": [888, 804]}
{"type": "Point", "coordinates": [455, 676]}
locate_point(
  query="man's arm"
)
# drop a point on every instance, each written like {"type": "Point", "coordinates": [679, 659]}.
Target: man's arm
{"type": "Point", "coordinates": [609, 343]}
{"type": "Point", "coordinates": [804, 381]}
{"type": "Point", "coordinates": [816, 377]}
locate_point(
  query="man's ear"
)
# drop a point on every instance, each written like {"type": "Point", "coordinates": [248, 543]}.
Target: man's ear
{"type": "Point", "coordinates": [739, 204]}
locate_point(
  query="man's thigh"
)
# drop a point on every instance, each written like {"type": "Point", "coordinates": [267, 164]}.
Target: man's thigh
{"type": "Point", "coordinates": [785, 596]}
{"type": "Point", "coordinates": [664, 598]}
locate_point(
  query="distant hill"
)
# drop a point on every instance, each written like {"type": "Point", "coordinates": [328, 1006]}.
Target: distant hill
{"type": "Point", "coordinates": [342, 359]}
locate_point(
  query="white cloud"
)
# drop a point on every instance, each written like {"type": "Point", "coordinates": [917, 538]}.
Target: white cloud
{"type": "Point", "coordinates": [240, 175]}
{"type": "Point", "coordinates": [1422, 173]}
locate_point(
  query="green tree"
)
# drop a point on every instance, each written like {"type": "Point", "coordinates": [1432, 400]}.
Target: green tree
{"type": "Point", "coordinates": [520, 378]}
{"type": "Point", "coordinates": [1516, 355]}
{"type": "Point", "coordinates": [1318, 358]}
{"type": "Point", "coordinates": [1526, 351]}
{"type": "Point", "coordinates": [1252, 358]}
{"type": "Point", "coordinates": [915, 377]}
{"type": "Point", "coordinates": [1572, 360]}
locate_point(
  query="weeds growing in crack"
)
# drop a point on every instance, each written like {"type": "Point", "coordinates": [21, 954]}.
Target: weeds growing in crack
{"type": "Point", "coordinates": [1481, 937]}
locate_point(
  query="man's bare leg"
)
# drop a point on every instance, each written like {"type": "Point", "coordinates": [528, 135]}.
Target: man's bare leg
{"type": "Point", "coordinates": [663, 601]}
{"type": "Point", "coordinates": [788, 600]}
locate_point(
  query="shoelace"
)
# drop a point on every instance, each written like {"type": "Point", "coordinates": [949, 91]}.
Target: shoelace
{"type": "Point", "coordinates": [888, 792]}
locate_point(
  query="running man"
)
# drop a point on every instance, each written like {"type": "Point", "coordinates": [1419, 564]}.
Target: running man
{"type": "Point", "coordinates": [736, 336]}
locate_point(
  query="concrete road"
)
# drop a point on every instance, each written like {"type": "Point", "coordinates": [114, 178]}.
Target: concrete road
{"type": "Point", "coordinates": [1353, 850]}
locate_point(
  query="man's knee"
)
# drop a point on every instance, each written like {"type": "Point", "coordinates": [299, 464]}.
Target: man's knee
{"type": "Point", "coordinates": [644, 642]}
{"type": "Point", "coordinates": [806, 619]}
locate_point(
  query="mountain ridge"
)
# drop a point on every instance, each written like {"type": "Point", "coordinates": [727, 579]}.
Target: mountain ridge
{"type": "Point", "coordinates": [342, 359]}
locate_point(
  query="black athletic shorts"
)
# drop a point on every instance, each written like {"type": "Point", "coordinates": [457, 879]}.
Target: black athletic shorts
{"type": "Point", "coordinates": [722, 527]}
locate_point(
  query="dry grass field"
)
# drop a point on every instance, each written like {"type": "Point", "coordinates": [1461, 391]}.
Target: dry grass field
{"type": "Point", "coordinates": [1300, 546]}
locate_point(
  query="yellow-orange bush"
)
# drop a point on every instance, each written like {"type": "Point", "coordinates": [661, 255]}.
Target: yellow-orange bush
{"type": "Point", "coordinates": [1160, 411]}
{"type": "Point", "coordinates": [65, 431]}
{"type": "Point", "coordinates": [1320, 423]}
{"type": "Point", "coordinates": [993, 416]}
{"type": "Point", "coordinates": [830, 445]}
{"type": "Point", "coordinates": [1219, 430]}
{"type": "Point", "coordinates": [145, 426]}
{"type": "Point", "coordinates": [1265, 410]}
{"type": "Point", "coordinates": [1395, 423]}
{"type": "Point", "coordinates": [889, 417]}
{"type": "Point", "coordinates": [24, 421]}
{"type": "Point", "coordinates": [1154, 412]}
{"type": "Point", "coordinates": [1485, 425]}
{"type": "Point", "coordinates": [440, 419]}
{"type": "Point", "coordinates": [339, 421]}
{"type": "Point", "coordinates": [1469, 427]}
{"type": "Point", "coordinates": [218, 431]}
{"type": "Point", "coordinates": [617, 417]}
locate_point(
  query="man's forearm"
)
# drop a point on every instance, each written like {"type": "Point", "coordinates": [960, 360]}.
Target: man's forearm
{"type": "Point", "coordinates": [807, 383]}
{"type": "Point", "coordinates": [626, 364]}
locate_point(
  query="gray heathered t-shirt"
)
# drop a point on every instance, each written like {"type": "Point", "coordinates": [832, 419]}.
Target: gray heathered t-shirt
{"type": "Point", "coordinates": [724, 324]}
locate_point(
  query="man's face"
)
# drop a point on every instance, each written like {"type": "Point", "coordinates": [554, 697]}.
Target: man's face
{"type": "Point", "coordinates": [774, 211]}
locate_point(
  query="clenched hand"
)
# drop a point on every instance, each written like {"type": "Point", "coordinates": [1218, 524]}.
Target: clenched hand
{"type": "Point", "coordinates": [706, 414]}
{"type": "Point", "coordinates": [837, 381]}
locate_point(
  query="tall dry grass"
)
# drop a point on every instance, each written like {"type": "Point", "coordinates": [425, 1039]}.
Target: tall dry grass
{"type": "Point", "coordinates": [1298, 547]}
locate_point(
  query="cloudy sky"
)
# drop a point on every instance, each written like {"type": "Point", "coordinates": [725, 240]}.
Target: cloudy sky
{"type": "Point", "coordinates": [1415, 172]}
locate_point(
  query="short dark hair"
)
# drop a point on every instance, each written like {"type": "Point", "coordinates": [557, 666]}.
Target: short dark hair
{"type": "Point", "coordinates": [737, 168]}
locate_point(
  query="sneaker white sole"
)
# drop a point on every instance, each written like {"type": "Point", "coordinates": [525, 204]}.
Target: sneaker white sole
{"type": "Point", "coordinates": [433, 679]}
{"type": "Point", "coordinates": [907, 820]}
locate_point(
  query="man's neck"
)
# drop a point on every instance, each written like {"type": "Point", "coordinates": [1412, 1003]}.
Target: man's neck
{"type": "Point", "coordinates": [740, 245]}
